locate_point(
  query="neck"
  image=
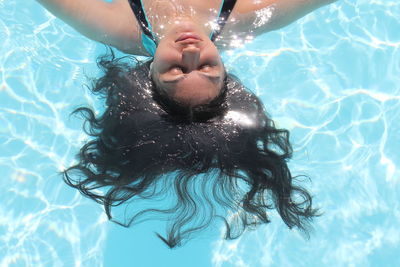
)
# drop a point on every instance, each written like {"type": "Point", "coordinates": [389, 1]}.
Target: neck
{"type": "Point", "coordinates": [185, 19]}
{"type": "Point", "coordinates": [186, 24]}
{"type": "Point", "coordinates": [165, 15]}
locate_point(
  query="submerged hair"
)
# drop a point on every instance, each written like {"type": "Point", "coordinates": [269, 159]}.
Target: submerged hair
{"type": "Point", "coordinates": [223, 160]}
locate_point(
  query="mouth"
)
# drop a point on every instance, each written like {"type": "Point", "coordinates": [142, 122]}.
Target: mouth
{"type": "Point", "coordinates": [188, 41]}
{"type": "Point", "coordinates": [188, 38]}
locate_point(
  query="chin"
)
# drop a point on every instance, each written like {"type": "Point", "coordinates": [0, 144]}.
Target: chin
{"type": "Point", "coordinates": [187, 26]}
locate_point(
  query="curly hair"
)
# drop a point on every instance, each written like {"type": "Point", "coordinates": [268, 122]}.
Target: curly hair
{"type": "Point", "coordinates": [223, 160]}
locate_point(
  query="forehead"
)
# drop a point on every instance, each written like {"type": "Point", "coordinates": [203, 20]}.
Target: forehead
{"type": "Point", "coordinates": [193, 89]}
{"type": "Point", "coordinates": [194, 76]}
{"type": "Point", "coordinates": [192, 82]}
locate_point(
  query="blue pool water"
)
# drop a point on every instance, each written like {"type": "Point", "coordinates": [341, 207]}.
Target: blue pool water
{"type": "Point", "coordinates": [332, 79]}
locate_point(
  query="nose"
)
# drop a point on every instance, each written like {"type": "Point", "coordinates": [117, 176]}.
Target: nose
{"type": "Point", "coordinates": [190, 57]}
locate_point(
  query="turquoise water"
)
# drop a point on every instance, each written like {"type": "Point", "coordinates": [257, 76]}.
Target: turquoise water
{"type": "Point", "coordinates": [332, 79]}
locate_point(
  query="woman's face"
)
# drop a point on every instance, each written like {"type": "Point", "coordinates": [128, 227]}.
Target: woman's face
{"type": "Point", "coordinates": [187, 65]}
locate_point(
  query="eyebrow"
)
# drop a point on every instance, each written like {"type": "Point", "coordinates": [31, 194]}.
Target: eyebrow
{"type": "Point", "coordinates": [213, 79]}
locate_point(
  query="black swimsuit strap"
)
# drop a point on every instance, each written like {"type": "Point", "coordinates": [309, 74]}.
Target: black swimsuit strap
{"type": "Point", "coordinates": [140, 15]}
{"type": "Point", "coordinates": [226, 10]}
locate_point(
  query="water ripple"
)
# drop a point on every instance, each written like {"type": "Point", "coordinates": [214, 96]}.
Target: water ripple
{"type": "Point", "coordinates": [333, 80]}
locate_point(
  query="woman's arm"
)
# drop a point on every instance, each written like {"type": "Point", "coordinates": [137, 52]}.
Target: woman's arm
{"type": "Point", "coordinates": [109, 23]}
{"type": "Point", "coordinates": [267, 15]}
{"type": "Point", "coordinates": [288, 11]}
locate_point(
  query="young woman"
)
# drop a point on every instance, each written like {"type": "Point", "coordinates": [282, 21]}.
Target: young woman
{"type": "Point", "coordinates": [179, 123]}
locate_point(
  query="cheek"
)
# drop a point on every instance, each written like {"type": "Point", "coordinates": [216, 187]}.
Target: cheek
{"type": "Point", "coordinates": [195, 94]}
{"type": "Point", "coordinates": [161, 55]}
{"type": "Point", "coordinates": [163, 59]}
{"type": "Point", "coordinates": [212, 49]}
{"type": "Point", "coordinates": [165, 48]}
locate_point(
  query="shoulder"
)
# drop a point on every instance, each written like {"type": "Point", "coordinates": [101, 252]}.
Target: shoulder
{"type": "Point", "coordinates": [112, 23]}
{"type": "Point", "coordinates": [257, 17]}
{"type": "Point", "coordinates": [251, 6]}
{"type": "Point", "coordinates": [123, 31]}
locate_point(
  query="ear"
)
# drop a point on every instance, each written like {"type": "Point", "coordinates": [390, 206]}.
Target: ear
{"type": "Point", "coordinates": [151, 70]}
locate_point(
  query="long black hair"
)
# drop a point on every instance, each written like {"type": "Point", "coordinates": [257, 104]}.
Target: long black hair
{"type": "Point", "coordinates": [222, 160]}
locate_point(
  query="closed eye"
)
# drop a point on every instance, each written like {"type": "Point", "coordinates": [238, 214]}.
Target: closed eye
{"type": "Point", "coordinates": [213, 78]}
{"type": "Point", "coordinates": [206, 67]}
{"type": "Point", "coordinates": [176, 69]}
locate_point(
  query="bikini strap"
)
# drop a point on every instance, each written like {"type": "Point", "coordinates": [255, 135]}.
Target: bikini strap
{"type": "Point", "coordinates": [225, 11]}
{"type": "Point", "coordinates": [148, 40]}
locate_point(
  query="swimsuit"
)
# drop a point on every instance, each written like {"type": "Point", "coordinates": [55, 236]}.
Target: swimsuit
{"type": "Point", "coordinates": [148, 38]}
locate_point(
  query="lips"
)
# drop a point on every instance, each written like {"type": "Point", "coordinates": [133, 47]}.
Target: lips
{"type": "Point", "coordinates": [188, 37]}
